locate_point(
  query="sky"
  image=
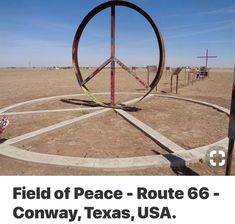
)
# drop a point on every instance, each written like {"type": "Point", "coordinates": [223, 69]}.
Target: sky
{"type": "Point", "coordinates": [40, 33]}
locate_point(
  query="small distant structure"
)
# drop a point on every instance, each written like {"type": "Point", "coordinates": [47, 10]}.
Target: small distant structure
{"type": "Point", "coordinates": [53, 68]}
{"type": "Point", "coordinates": [203, 72]}
{"type": "Point", "coordinates": [204, 69]}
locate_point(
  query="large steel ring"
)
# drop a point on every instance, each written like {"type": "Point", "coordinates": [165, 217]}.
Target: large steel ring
{"type": "Point", "coordinates": [101, 7]}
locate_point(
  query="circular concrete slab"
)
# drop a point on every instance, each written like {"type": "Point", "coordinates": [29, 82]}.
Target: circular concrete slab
{"type": "Point", "coordinates": [179, 158]}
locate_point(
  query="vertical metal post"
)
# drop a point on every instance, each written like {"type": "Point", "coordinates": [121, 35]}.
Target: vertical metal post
{"type": "Point", "coordinates": [148, 75]}
{"type": "Point", "coordinates": [113, 55]}
{"type": "Point", "coordinates": [171, 82]}
{"type": "Point", "coordinates": [231, 133]}
{"type": "Point", "coordinates": [177, 81]}
{"type": "Point", "coordinates": [229, 157]}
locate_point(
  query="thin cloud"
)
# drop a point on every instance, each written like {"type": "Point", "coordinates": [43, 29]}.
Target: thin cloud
{"type": "Point", "coordinates": [191, 25]}
{"type": "Point", "coordinates": [50, 25]}
{"type": "Point", "coordinates": [41, 24]}
{"type": "Point", "coordinates": [21, 42]}
{"type": "Point", "coordinates": [216, 42]}
{"type": "Point", "coordinates": [230, 25]}
{"type": "Point", "coordinates": [226, 10]}
{"type": "Point", "coordinates": [230, 9]}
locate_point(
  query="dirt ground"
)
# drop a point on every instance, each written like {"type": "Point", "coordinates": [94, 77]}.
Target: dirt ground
{"type": "Point", "coordinates": [106, 136]}
{"type": "Point", "coordinates": [115, 135]}
{"type": "Point", "coordinates": [187, 124]}
{"type": "Point", "coordinates": [22, 124]}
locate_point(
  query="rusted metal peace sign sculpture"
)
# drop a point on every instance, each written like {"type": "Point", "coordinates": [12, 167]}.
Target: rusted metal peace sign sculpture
{"type": "Point", "coordinates": [112, 60]}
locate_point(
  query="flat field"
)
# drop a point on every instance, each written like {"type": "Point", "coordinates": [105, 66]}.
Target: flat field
{"type": "Point", "coordinates": [108, 135]}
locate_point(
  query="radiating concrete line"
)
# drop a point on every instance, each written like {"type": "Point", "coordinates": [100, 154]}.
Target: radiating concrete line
{"type": "Point", "coordinates": [53, 127]}
{"type": "Point", "coordinates": [61, 124]}
{"type": "Point", "coordinates": [180, 158]}
{"type": "Point", "coordinates": [52, 111]}
{"type": "Point", "coordinates": [153, 134]}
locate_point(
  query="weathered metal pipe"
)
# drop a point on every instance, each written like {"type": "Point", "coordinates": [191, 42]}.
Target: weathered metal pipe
{"type": "Point", "coordinates": [231, 132]}
{"type": "Point", "coordinates": [112, 90]}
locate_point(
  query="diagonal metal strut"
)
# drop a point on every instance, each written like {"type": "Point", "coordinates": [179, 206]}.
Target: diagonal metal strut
{"type": "Point", "coordinates": [132, 73]}
{"type": "Point", "coordinates": [96, 71]}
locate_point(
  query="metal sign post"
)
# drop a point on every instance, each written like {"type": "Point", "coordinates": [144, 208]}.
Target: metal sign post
{"type": "Point", "coordinates": [176, 74]}
{"type": "Point", "coordinates": [231, 133]}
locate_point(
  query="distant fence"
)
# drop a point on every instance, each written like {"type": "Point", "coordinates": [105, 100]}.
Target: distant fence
{"type": "Point", "coordinates": [191, 75]}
